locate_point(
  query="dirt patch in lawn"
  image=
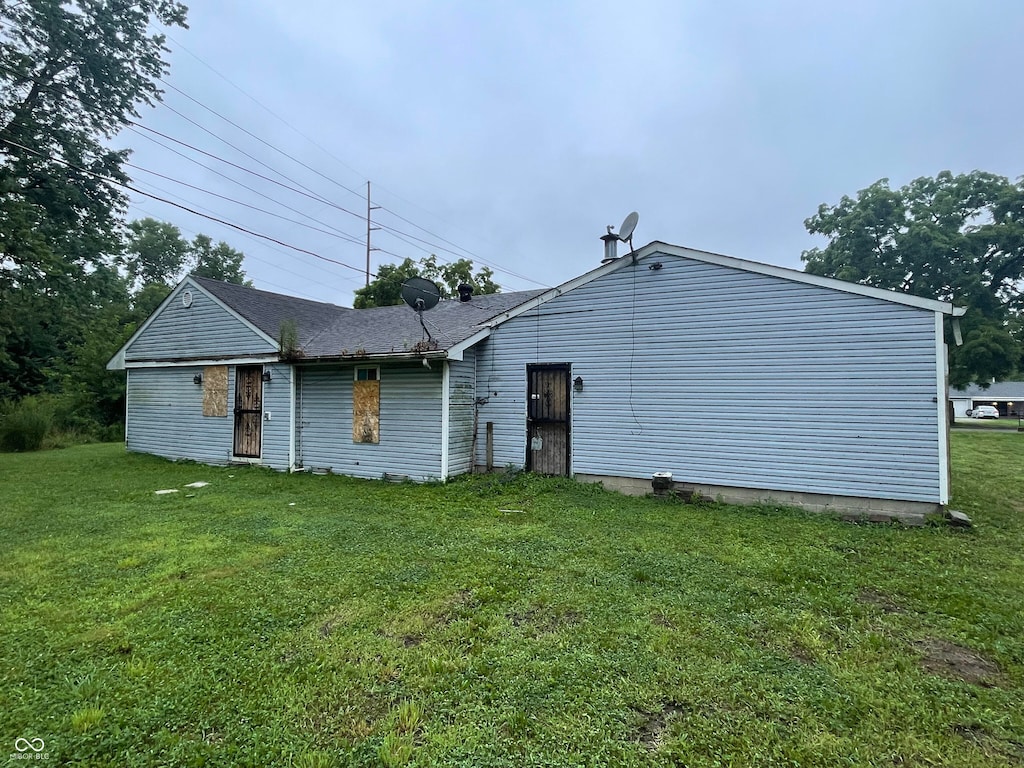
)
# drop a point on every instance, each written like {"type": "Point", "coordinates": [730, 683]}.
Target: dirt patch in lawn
{"type": "Point", "coordinates": [545, 620]}
{"type": "Point", "coordinates": [655, 724]}
{"type": "Point", "coordinates": [941, 657]}
{"type": "Point", "coordinates": [878, 600]}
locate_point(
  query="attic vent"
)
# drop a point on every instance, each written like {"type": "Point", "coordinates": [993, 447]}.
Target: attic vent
{"type": "Point", "coordinates": [465, 292]}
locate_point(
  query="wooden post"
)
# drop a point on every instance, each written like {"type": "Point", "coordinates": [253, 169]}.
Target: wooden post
{"type": "Point", "coordinates": [490, 446]}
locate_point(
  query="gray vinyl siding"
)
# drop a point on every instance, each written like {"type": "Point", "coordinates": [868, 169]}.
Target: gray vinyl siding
{"type": "Point", "coordinates": [410, 422]}
{"type": "Point", "coordinates": [165, 417]}
{"type": "Point", "coordinates": [203, 330]}
{"type": "Point", "coordinates": [730, 378]}
{"type": "Point", "coordinates": [461, 397]}
{"type": "Point", "coordinates": [276, 402]}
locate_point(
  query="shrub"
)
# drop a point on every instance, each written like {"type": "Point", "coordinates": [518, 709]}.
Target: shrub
{"type": "Point", "coordinates": [25, 425]}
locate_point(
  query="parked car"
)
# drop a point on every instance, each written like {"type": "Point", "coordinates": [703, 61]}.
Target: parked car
{"type": "Point", "coordinates": [984, 412]}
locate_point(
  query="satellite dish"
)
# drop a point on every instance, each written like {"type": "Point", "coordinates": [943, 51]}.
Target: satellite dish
{"type": "Point", "coordinates": [420, 294]}
{"type": "Point", "coordinates": [628, 225]}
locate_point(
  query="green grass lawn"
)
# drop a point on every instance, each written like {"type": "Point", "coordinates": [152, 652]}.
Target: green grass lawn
{"type": "Point", "coordinates": [297, 620]}
{"type": "Point", "coordinates": [1006, 422]}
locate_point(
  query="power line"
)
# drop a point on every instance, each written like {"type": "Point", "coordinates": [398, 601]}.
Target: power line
{"type": "Point", "coordinates": [177, 205]}
{"type": "Point", "coordinates": [385, 227]}
{"type": "Point", "coordinates": [306, 192]}
{"type": "Point", "coordinates": [331, 155]}
{"type": "Point", "coordinates": [267, 262]}
{"type": "Point", "coordinates": [247, 205]}
{"type": "Point", "coordinates": [406, 237]}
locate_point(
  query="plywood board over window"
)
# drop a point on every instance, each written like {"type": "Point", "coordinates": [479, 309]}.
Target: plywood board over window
{"type": "Point", "coordinates": [215, 390]}
{"type": "Point", "coordinates": [366, 406]}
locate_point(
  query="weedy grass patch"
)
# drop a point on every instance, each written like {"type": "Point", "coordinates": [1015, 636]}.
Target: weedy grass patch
{"type": "Point", "coordinates": [301, 620]}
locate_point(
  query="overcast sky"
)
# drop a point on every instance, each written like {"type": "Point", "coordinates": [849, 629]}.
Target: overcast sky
{"type": "Point", "coordinates": [514, 132]}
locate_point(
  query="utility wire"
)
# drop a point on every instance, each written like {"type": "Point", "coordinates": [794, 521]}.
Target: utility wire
{"type": "Point", "coordinates": [263, 261]}
{"type": "Point", "coordinates": [303, 191]}
{"type": "Point", "coordinates": [132, 188]}
{"type": "Point", "coordinates": [247, 205]}
{"type": "Point", "coordinates": [360, 216]}
{"type": "Point", "coordinates": [334, 157]}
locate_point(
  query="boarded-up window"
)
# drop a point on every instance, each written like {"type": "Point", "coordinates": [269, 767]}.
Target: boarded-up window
{"type": "Point", "coordinates": [366, 405]}
{"type": "Point", "coordinates": [215, 390]}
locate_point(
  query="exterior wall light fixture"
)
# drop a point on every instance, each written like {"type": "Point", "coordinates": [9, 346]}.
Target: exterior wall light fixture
{"type": "Point", "coordinates": [197, 379]}
{"type": "Point", "coordinates": [266, 376]}
{"type": "Point", "coordinates": [577, 384]}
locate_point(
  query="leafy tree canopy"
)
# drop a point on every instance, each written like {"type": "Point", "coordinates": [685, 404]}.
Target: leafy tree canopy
{"type": "Point", "coordinates": [71, 75]}
{"type": "Point", "coordinates": [957, 238]}
{"type": "Point", "coordinates": [156, 253]}
{"type": "Point", "coordinates": [386, 289]}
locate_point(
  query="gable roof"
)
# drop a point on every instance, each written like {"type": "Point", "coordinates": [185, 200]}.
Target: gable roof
{"type": "Point", "coordinates": [657, 248]}
{"type": "Point", "coordinates": [267, 311]}
{"type": "Point", "coordinates": [327, 331]}
{"type": "Point", "coordinates": [1000, 390]}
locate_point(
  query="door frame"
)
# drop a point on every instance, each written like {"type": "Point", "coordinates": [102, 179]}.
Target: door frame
{"type": "Point", "coordinates": [567, 368]}
{"type": "Point", "coordinates": [239, 458]}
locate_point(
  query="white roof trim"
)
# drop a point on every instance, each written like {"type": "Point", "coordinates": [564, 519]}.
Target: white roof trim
{"type": "Point", "coordinates": [458, 351]}
{"type": "Point", "coordinates": [665, 249]}
{"type": "Point", "coordinates": [786, 273]}
{"type": "Point", "coordinates": [118, 363]}
{"type": "Point", "coordinates": [202, 361]}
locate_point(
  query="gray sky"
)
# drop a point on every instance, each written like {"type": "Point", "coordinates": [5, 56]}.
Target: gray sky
{"type": "Point", "coordinates": [517, 130]}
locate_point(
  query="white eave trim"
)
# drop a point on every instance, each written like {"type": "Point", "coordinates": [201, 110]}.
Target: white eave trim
{"type": "Point", "coordinates": [458, 351]}
{"type": "Point", "coordinates": [177, 363]}
{"type": "Point", "coordinates": [664, 249]}
{"type": "Point", "coordinates": [785, 273]}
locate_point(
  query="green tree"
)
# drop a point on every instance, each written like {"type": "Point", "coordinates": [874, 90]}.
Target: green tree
{"type": "Point", "coordinates": [71, 75]}
{"type": "Point", "coordinates": [957, 238]}
{"type": "Point", "coordinates": [386, 288]}
{"type": "Point", "coordinates": [156, 257]}
{"type": "Point", "coordinates": [155, 252]}
{"type": "Point", "coordinates": [218, 262]}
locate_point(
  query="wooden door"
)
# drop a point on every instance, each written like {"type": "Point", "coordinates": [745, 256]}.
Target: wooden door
{"type": "Point", "coordinates": [248, 410]}
{"type": "Point", "coordinates": [547, 418]}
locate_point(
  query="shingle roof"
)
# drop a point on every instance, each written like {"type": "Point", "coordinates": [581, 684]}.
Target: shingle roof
{"type": "Point", "coordinates": [1001, 390]}
{"type": "Point", "coordinates": [327, 330]}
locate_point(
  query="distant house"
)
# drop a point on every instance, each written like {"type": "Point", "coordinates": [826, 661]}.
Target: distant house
{"type": "Point", "coordinates": [1006, 396]}
{"type": "Point", "coordinates": [746, 381]}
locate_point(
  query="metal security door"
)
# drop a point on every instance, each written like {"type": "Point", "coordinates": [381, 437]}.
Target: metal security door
{"type": "Point", "coordinates": [547, 418]}
{"type": "Point", "coordinates": [248, 410]}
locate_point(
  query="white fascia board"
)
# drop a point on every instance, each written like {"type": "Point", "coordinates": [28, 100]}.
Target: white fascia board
{"type": "Point", "coordinates": [553, 293]}
{"type": "Point", "coordinates": [786, 273]}
{"type": "Point", "coordinates": [458, 351]}
{"type": "Point", "coordinates": [118, 363]}
{"type": "Point", "coordinates": [255, 360]}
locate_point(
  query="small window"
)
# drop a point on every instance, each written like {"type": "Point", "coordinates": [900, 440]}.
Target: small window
{"type": "Point", "coordinates": [368, 374]}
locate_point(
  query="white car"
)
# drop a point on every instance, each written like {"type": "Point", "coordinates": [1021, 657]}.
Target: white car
{"type": "Point", "coordinates": [984, 412]}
